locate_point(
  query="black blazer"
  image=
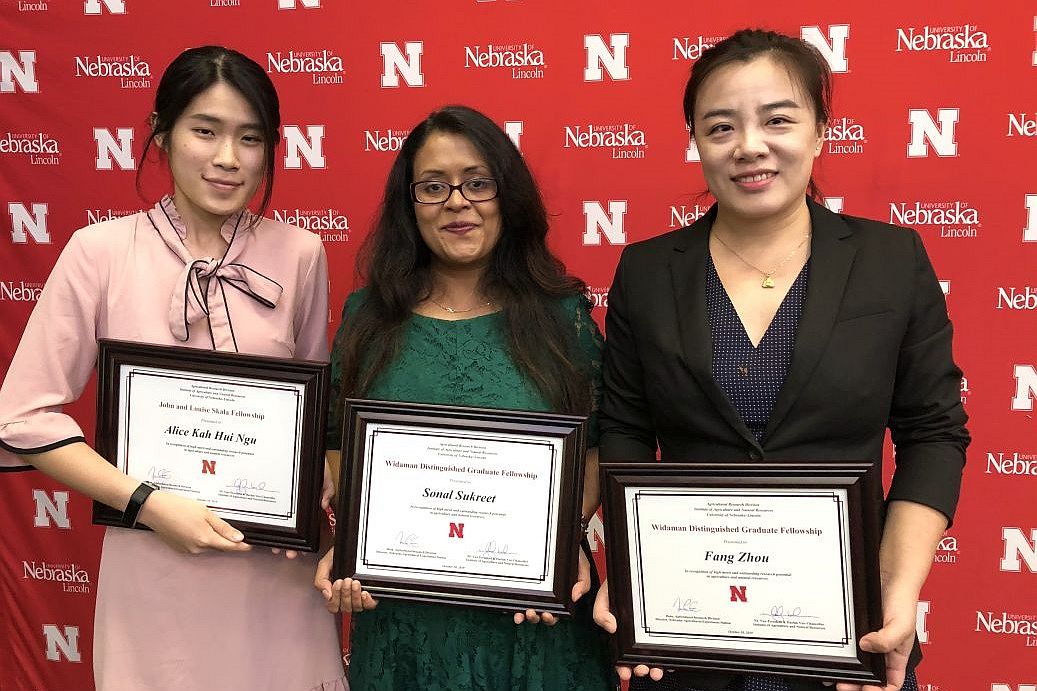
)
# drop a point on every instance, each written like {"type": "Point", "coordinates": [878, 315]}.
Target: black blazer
{"type": "Point", "coordinates": [872, 350]}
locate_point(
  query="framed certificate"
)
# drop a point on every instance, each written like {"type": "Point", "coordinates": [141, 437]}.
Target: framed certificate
{"type": "Point", "coordinates": [765, 568]}
{"type": "Point", "coordinates": [461, 505]}
{"type": "Point", "coordinates": [242, 434]}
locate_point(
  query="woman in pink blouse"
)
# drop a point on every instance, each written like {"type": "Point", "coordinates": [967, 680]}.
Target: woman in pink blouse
{"type": "Point", "coordinates": [189, 605]}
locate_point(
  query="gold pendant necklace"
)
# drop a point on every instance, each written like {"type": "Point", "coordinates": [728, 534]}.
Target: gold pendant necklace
{"type": "Point", "coordinates": [768, 276]}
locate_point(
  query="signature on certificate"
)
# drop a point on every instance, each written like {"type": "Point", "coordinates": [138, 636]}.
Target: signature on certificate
{"type": "Point", "coordinates": [406, 539]}
{"type": "Point", "coordinates": [156, 474]}
{"type": "Point", "coordinates": [782, 612]}
{"type": "Point", "coordinates": [244, 484]}
{"type": "Point", "coordinates": [492, 547]}
{"type": "Point", "coordinates": [685, 604]}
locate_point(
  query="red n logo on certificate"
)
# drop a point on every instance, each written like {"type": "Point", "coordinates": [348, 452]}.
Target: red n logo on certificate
{"type": "Point", "coordinates": [738, 593]}
{"type": "Point", "coordinates": [208, 467]}
{"type": "Point", "coordinates": [456, 530]}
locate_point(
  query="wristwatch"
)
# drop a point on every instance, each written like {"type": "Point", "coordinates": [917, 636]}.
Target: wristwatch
{"type": "Point", "coordinates": [137, 499]}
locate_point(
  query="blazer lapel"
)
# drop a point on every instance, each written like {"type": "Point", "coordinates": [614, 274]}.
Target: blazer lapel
{"type": "Point", "coordinates": [688, 268]}
{"type": "Point", "coordinates": [831, 256]}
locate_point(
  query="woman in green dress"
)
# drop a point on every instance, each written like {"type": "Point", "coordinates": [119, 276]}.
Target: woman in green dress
{"type": "Point", "coordinates": [464, 304]}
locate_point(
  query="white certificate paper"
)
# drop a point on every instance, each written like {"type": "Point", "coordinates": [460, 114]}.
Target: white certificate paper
{"type": "Point", "coordinates": [459, 508]}
{"type": "Point", "coordinates": [232, 443]}
{"type": "Point", "coordinates": [761, 570]}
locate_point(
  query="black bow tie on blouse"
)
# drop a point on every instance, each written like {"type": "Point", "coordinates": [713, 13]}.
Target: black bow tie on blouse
{"type": "Point", "coordinates": [189, 302]}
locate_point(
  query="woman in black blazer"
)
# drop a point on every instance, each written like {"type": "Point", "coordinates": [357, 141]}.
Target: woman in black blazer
{"type": "Point", "coordinates": [773, 329]}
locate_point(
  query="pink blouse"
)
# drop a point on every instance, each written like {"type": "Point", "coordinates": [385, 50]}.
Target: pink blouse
{"type": "Point", "coordinates": [132, 278]}
{"type": "Point", "coordinates": [165, 620]}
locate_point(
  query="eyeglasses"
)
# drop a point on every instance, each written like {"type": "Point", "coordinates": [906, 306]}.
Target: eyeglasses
{"type": "Point", "coordinates": [437, 192]}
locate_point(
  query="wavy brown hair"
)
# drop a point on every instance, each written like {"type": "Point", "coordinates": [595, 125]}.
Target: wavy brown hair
{"type": "Point", "coordinates": [523, 276]}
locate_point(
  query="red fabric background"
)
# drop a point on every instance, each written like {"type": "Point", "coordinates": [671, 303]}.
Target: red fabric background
{"type": "Point", "coordinates": [971, 192]}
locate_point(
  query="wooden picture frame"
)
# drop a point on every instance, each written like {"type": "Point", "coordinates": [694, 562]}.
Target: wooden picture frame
{"type": "Point", "coordinates": [266, 482]}
{"type": "Point", "coordinates": [482, 461]}
{"type": "Point", "coordinates": [708, 491]}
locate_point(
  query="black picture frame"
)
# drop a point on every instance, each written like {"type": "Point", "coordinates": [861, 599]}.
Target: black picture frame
{"type": "Point", "coordinates": [862, 483]}
{"type": "Point", "coordinates": [113, 355]}
{"type": "Point", "coordinates": [409, 585]}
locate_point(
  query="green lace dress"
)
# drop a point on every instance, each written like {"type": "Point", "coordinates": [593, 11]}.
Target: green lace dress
{"type": "Point", "coordinates": [410, 646]}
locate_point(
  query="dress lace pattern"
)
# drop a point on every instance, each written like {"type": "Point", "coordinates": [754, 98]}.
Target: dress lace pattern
{"type": "Point", "coordinates": [405, 646]}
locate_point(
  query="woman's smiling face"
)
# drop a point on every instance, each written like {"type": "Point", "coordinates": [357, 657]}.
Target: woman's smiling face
{"type": "Point", "coordinates": [757, 135]}
{"type": "Point", "coordinates": [458, 232]}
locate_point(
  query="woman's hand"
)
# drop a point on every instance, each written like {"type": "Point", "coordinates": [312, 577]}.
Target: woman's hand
{"type": "Point", "coordinates": [895, 639]}
{"type": "Point", "coordinates": [580, 588]}
{"type": "Point", "coordinates": [189, 526]}
{"type": "Point", "coordinates": [343, 595]}
{"type": "Point", "coordinates": [327, 492]}
{"type": "Point", "coordinates": [184, 524]}
{"type": "Point", "coordinates": [909, 541]}
{"type": "Point", "coordinates": [604, 618]}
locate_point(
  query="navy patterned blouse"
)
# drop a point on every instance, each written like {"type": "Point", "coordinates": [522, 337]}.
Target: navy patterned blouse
{"type": "Point", "coordinates": [752, 376]}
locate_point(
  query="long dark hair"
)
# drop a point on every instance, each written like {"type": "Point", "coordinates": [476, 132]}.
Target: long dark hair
{"type": "Point", "coordinates": [523, 275]}
{"type": "Point", "coordinates": [197, 69]}
{"type": "Point", "coordinates": [805, 64]}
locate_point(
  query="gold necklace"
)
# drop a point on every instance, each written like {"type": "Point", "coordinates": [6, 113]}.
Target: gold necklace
{"type": "Point", "coordinates": [453, 310]}
{"type": "Point", "coordinates": [768, 276]}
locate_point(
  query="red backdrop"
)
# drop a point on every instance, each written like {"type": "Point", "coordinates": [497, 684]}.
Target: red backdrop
{"type": "Point", "coordinates": [935, 127]}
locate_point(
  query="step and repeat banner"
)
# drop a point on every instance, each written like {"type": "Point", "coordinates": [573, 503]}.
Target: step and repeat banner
{"type": "Point", "coordinates": [934, 128]}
